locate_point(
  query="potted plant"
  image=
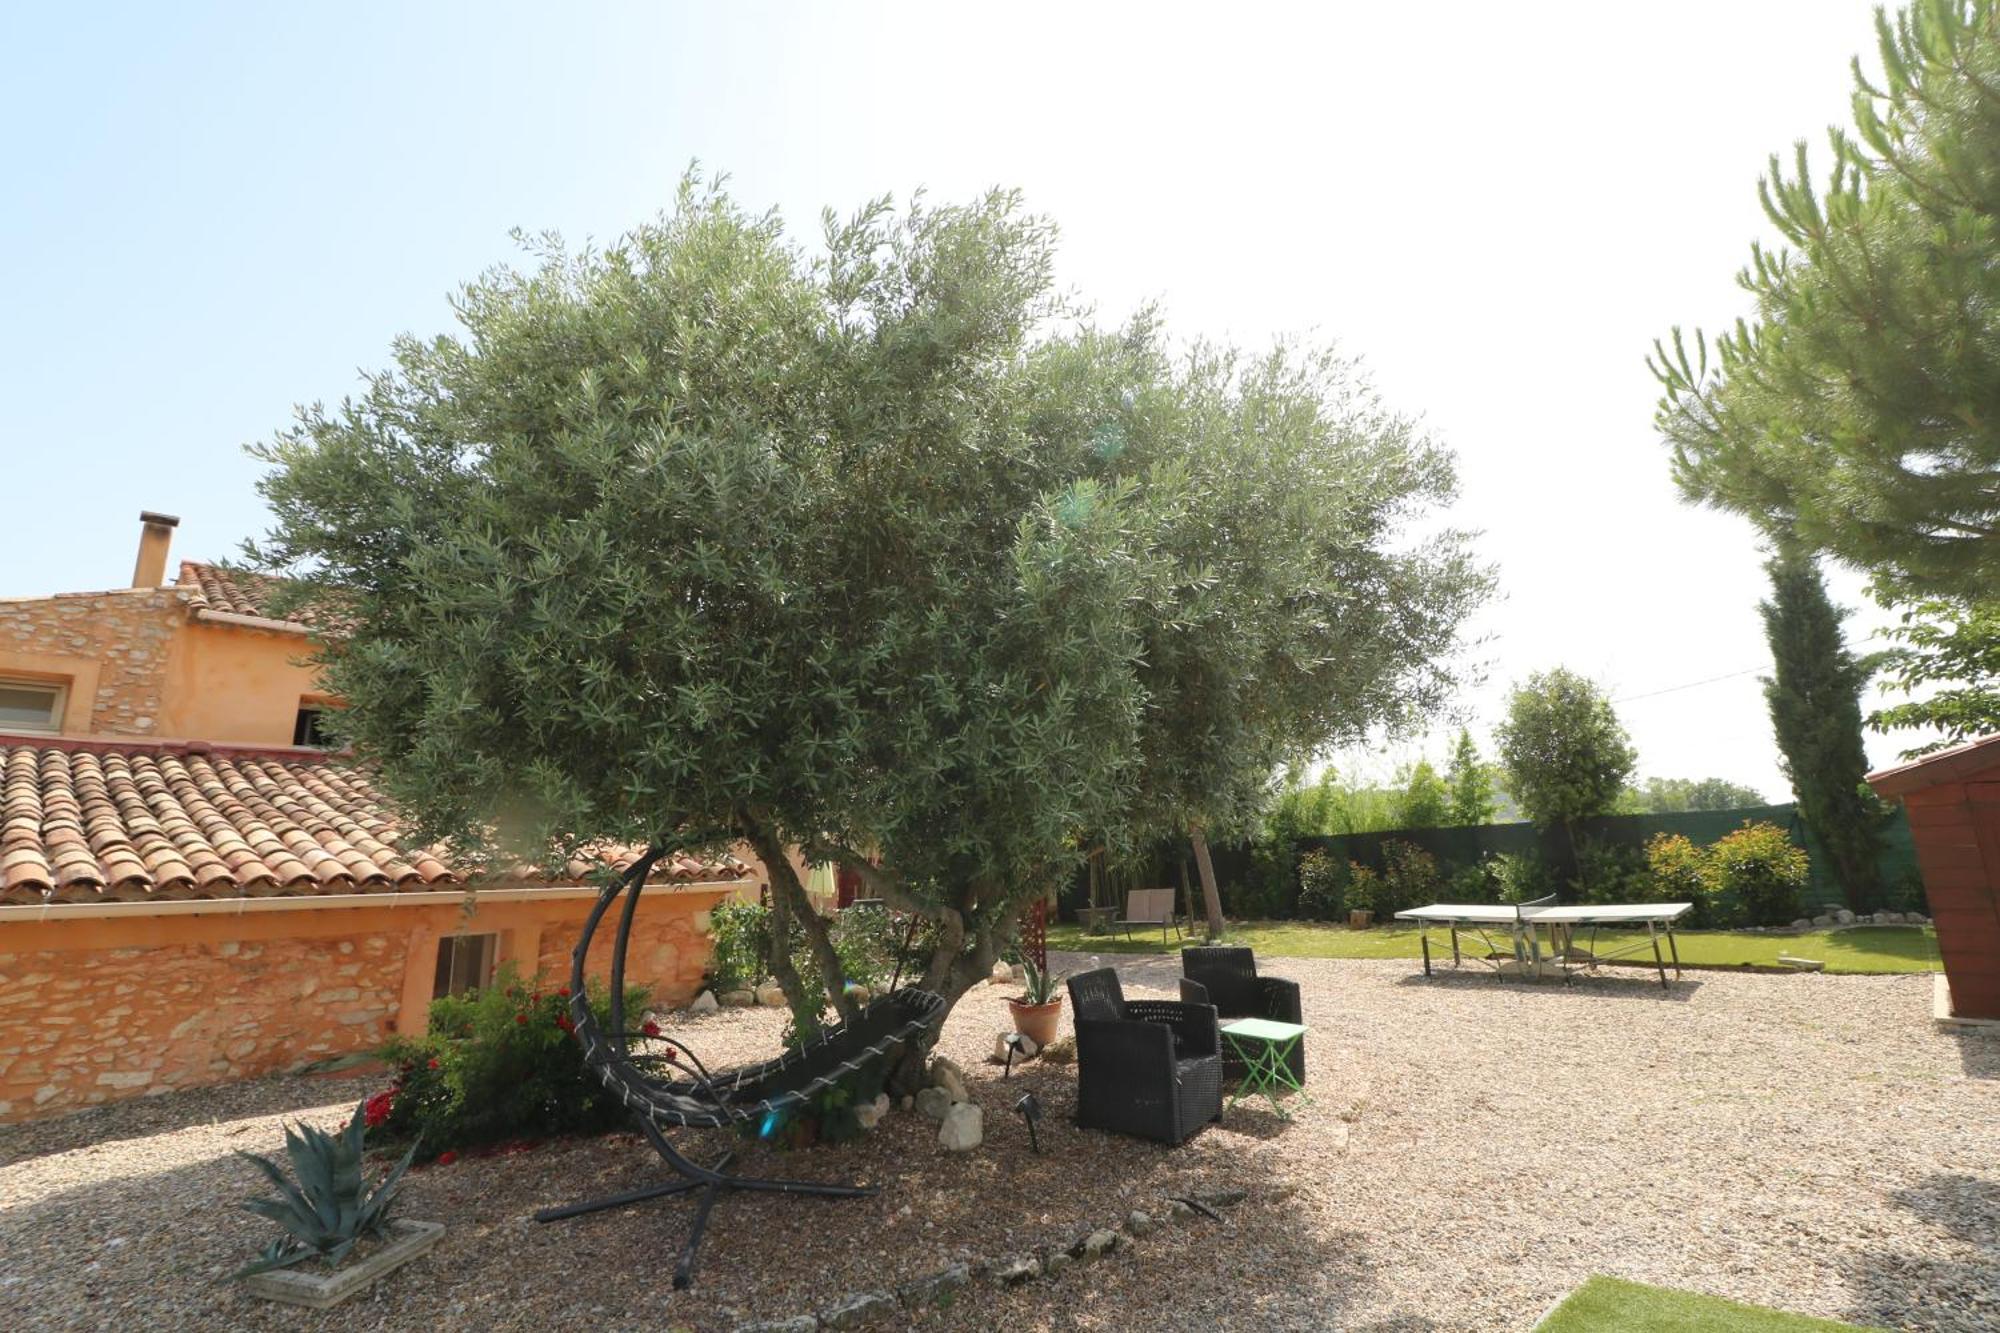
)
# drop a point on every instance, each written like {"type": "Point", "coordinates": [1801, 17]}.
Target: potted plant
{"type": "Point", "coordinates": [331, 1218]}
{"type": "Point", "coordinates": [1038, 1013]}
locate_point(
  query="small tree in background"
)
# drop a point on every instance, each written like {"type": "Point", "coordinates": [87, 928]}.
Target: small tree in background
{"type": "Point", "coordinates": [1470, 779]}
{"type": "Point", "coordinates": [1565, 754]}
{"type": "Point", "coordinates": [880, 553]}
{"type": "Point", "coordinates": [1950, 643]}
{"type": "Point", "coordinates": [1814, 693]}
{"type": "Point", "coordinates": [1425, 801]}
{"type": "Point", "coordinates": [1673, 796]}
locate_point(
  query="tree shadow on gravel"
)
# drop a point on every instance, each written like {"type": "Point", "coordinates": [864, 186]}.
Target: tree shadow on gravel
{"type": "Point", "coordinates": [1979, 1054]}
{"type": "Point", "coordinates": [1928, 1288]}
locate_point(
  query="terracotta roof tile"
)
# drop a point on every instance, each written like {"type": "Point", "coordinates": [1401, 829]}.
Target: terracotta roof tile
{"type": "Point", "coordinates": [95, 822]}
{"type": "Point", "coordinates": [242, 593]}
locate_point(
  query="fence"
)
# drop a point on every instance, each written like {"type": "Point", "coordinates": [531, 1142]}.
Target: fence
{"type": "Point", "coordinates": [1261, 881]}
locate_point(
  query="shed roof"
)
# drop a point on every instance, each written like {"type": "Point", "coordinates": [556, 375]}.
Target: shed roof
{"type": "Point", "coordinates": [1953, 765]}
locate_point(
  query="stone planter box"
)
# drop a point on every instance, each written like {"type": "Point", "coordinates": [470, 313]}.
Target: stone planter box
{"type": "Point", "coordinates": [322, 1291]}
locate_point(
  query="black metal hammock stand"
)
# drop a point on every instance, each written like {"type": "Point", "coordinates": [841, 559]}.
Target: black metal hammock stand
{"type": "Point", "coordinates": [762, 1096]}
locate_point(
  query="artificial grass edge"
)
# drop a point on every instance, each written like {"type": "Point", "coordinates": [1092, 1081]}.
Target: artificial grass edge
{"type": "Point", "coordinates": [1604, 1304]}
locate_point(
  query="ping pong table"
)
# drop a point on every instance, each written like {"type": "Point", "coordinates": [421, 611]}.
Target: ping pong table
{"type": "Point", "coordinates": [1522, 926]}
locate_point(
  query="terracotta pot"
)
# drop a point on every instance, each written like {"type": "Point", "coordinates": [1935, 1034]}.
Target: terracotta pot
{"type": "Point", "coordinates": [1038, 1022]}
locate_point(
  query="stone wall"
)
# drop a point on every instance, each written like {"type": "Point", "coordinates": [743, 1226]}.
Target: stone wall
{"type": "Point", "coordinates": [79, 1030]}
{"type": "Point", "coordinates": [97, 1008]}
{"type": "Point", "coordinates": [111, 647]}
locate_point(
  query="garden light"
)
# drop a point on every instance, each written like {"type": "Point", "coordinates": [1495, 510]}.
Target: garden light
{"type": "Point", "coordinates": [1030, 1110]}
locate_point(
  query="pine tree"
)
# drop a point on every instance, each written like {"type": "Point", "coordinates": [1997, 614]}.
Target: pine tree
{"type": "Point", "coordinates": [1853, 412]}
{"type": "Point", "coordinates": [1471, 781]}
{"type": "Point", "coordinates": [1814, 692]}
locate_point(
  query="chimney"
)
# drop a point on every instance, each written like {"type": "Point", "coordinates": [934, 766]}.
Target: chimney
{"type": "Point", "coordinates": [150, 570]}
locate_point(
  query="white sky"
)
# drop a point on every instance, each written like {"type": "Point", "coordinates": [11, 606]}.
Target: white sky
{"type": "Point", "coordinates": [1498, 207]}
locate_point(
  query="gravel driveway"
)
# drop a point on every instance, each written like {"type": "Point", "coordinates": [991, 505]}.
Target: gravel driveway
{"type": "Point", "coordinates": [1475, 1149]}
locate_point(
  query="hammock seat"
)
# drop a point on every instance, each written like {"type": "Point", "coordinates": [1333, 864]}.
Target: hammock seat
{"type": "Point", "coordinates": [761, 1096]}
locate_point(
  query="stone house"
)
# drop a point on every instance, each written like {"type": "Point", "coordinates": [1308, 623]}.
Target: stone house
{"type": "Point", "coordinates": [194, 890]}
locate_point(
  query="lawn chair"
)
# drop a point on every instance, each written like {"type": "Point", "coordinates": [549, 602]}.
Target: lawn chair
{"type": "Point", "coordinates": [1150, 907]}
{"type": "Point", "coordinates": [1227, 979]}
{"type": "Point", "coordinates": [1150, 1068]}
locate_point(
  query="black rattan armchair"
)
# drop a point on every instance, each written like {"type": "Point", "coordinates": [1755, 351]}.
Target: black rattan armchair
{"type": "Point", "coordinates": [1151, 1068]}
{"type": "Point", "coordinates": [1227, 979]}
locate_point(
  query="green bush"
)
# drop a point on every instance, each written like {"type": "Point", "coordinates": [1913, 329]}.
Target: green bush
{"type": "Point", "coordinates": [742, 938]}
{"type": "Point", "coordinates": [497, 1064]}
{"type": "Point", "coordinates": [1479, 882]}
{"type": "Point", "coordinates": [1322, 886]}
{"type": "Point", "coordinates": [1409, 878]}
{"type": "Point", "coordinates": [1757, 874]}
{"type": "Point", "coordinates": [1522, 877]}
{"type": "Point", "coordinates": [1364, 888]}
{"type": "Point", "coordinates": [1679, 872]}
{"type": "Point", "coordinates": [1610, 872]}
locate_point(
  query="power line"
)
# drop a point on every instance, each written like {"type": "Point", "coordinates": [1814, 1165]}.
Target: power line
{"type": "Point", "coordinates": [1693, 684]}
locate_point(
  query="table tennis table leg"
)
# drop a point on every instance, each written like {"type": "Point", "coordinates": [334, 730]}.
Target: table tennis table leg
{"type": "Point", "coordinates": [1658, 961]}
{"type": "Point", "coordinates": [1675, 950]}
{"type": "Point", "coordinates": [1454, 946]}
{"type": "Point", "coordinates": [1425, 936]}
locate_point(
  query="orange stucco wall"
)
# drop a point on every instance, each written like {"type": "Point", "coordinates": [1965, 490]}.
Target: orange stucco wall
{"type": "Point", "coordinates": [232, 683]}
{"type": "Point", "coordinates": [98, 1008]}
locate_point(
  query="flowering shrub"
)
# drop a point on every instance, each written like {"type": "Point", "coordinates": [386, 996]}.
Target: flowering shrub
{"type": "Point", "coordinates": [1409, 878]}
{"type": "Point", "coordinates": [1679, 871]}
{"type": "Point", "coordinates": [1757, 874]}
{"type": "Point", "coordinates": [497, 1064]}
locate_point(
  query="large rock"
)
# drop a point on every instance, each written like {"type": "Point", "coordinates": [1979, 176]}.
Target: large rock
{"type": "Point", "coordinates": [934, 1102]}
{"type": "Point", "coordinates": [1013, 1272]}
{"type": "Point", "coordinates": [1056, 1263]}
{"type": "Point", "coordinates": [1803, 923]}
{"type": "Point", "coordinates": [1138, 1223]}
{"type": "Point", "coordinates": [869, 1114]}
{"type": "Point", "coordinates": [771, 995]}
{"type": "Point", "coordinates": [1822, 920]}
{"type": "Point", "coordinates": [865, 1310]}
{"type": "Point", "coordinates": [963, 1128]}
{"type": "Point", "coordinates": [1844, 917]}
{"type": "Point", "coordinates": [1001, 974]}
{"type": "Point", "coordinates": [738, 999]}
{"type": "Point", "coordinates": [1917, 919]}
{"type": "Point", "coordinates": [1097, 1244]}
{"type": "Point", "coordinates": [704, 1003]}
{"type": "Point", "coordinates": [940, 1288]}
{"type": "Point", "coordinates": [946, 1074]}
{"type": "Point", "coordinates": [1023, 1046]}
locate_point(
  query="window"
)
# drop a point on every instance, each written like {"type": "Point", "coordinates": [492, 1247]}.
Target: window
{"type": "Point", "coordinates": [310, 728]}
{"type": "Point", "coordinates": [27, 705]}
{"type": "Point", "coordinates": [465, 962]}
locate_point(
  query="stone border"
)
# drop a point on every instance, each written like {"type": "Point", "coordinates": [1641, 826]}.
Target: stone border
{"type": "Point", "coordinates": [942, 1289]}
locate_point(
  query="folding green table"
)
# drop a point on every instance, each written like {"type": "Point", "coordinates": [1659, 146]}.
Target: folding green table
{"type": "Point", "coordinates": [1266, 1047]}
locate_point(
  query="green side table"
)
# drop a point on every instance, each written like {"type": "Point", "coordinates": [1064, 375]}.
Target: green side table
{"type": "Point", "coordinates": [1266, 1046]}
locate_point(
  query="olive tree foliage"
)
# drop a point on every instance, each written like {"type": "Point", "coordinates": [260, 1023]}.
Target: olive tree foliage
{"type": "Point", "coordinates": [878, 550]}
{"type": "Point", "coordinates": [1855, 412]}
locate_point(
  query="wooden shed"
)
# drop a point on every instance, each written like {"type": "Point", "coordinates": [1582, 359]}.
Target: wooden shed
{"type": "Point", "coordinates": [1953, 800]}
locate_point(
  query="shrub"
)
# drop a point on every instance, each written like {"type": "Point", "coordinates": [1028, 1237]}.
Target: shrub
{"type": "Point", "coordinates": [1480, 882]}
{"type": "Point", "coordinates": [1409, 878]}
{"type": "Point", "coordinates": [1322, 886]}
{"type": "Point", "coordinates": [497, 1064]}
{"type": "Point", "coordinates": [1364, 887]}
{"type": "Point", "coordinates": [1679, 873]}
{"type": "Point", "coordinates": [742, 939]}
{"type": "Point", "coordinates": [1609, 872]}
{"type": "Point", "coordinates": [1756, 875]}
{"type": "Point", "coordinates": [1523, 877]}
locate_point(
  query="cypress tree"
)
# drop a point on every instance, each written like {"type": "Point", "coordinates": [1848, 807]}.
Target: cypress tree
{"type": "Point", "coordinates": [1814, 693]}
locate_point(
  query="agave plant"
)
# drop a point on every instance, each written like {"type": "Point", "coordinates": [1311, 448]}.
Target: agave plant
{"type": "Point", "coordinates": [330, 1208]}
{"type": "Point", "coordinates": [1039, 986]}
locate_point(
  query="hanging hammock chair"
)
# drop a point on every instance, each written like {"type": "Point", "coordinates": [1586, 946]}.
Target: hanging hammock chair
{"type": "Point", "coordinates": [760, 1096]}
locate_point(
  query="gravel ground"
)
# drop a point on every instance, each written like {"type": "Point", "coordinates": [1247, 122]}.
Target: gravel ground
{"type": "Point", "coordinates": [1475, 1149]}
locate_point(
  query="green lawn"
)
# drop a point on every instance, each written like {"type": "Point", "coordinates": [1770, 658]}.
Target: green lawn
{"type": "Point", "coordinates": [1859, 949]}
{"type": "Point", "coordinates": [1612, 1305]}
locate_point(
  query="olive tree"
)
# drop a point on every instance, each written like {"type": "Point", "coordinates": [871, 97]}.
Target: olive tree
{"type": "Point", "coordinates": [877, 550]}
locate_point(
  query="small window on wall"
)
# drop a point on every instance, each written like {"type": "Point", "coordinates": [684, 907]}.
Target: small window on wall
{"type": "Point", "coordinates": [465, 962]}
{"type": "Point", "coordinates": [310, 728]}
{"type": "Point", "coordinates": [29, 705]}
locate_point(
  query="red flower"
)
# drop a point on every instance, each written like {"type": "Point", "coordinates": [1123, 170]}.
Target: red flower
{"type": "Point", "coordinates": [651, 1028]}
{"type": "Point", "coordinates": [522, 1019]}
{"type": "Point", "coordinates": [433, 1063]}
{"type": "Point", "coordinates": [447, 1157]}
{"type": "Point", "coordinates": [563, 1022]}
{"type": "Point", "coordinates": [376, 1109]}
{"type": "Point", "coordinates": [564, 992]}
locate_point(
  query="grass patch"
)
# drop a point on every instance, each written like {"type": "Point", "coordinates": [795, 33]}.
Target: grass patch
{"type": "Point", "coordinates": [1612, 1305]}
{"type": "Point", "coordinates": [1857, 950]}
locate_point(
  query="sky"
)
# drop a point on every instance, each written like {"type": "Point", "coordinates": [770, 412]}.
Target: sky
{"type": "Point", "coordinates": [213, 213]}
